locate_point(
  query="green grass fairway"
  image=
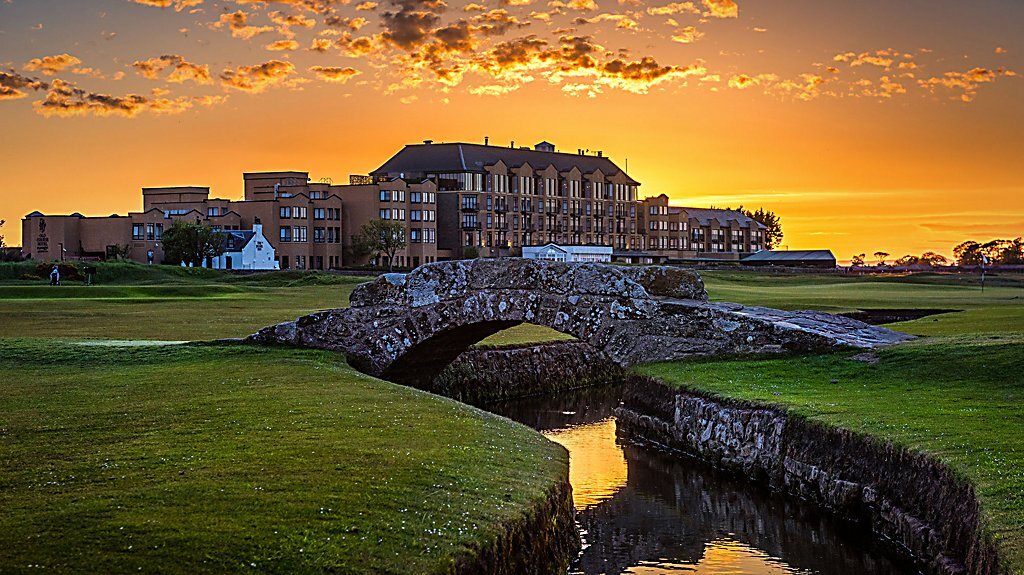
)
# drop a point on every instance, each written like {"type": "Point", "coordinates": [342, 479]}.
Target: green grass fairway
{"type": "Point", "coordinates": [181, 459]}
{"type": "Point", "coordinates": [999, 309]}
{"type": "Point", "coordinates": [957, 393]}
{"type": "Point", "coordinates": [133, 301]}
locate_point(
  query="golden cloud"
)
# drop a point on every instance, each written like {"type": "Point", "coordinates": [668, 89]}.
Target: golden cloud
{"type": "Point", "coordinates": [181, 69]}
{"type": "Point", "coordinates": [721, 8]}
{"type": "Point", "coordinates": [334, 74]}
{"type": "Point", "coordinates": [50, 65]}
{"type": "Point", "coordinates": [238, 23]}
{"type": "Point", "coordinates": [178, 5]}
{"type": "Point", "coordinates": [259, 77]}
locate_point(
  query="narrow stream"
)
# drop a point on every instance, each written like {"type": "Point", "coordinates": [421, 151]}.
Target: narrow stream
{"type": "Point", "coordinates": [643, 511]}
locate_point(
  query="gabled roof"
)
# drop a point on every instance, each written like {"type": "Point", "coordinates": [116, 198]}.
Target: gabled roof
{"type": "Point", "coordinates": [235, 240]}
{"type": "Point", "coordinates": [461, 157]}
{"type": "Point", "coordinates": [782, 256]}
{"type": "Point", "coordinates": [705, 216]}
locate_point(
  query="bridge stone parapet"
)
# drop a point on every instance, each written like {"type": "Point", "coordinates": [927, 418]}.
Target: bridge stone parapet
{"type": "Point", "coordinates": [408, 327]}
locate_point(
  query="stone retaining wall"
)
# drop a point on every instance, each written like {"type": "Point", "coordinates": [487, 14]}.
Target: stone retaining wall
{"type": "Point", "coordinates": [482, 376]}
{"type": "Point", "coordinates": [907, 498]}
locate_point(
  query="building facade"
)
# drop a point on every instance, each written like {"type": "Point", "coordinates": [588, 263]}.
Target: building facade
{"type": "Point", "coordinates": [493, 200]}
{"type": "Point", "coordinates": [452, 201]}
{"type": "Point", "coordinates": [675, 232]}
{"type": "Point", "coordinates": [558, 253]}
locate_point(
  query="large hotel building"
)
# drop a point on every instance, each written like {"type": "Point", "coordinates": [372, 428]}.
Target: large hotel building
{"type": "Point", "coordinates": [453, 200]}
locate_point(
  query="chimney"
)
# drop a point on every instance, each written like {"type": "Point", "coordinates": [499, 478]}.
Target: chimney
{"type": "Point", "coordinates": [428, 142]}
{"type": "Point", "coordinates": [600, 154]}
{"type": "Point", "coordinates": [512, 144]}
{"type": "Point", "coordinates": [486, 140]}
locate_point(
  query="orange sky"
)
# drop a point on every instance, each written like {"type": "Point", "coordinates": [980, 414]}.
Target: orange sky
{"type": "Point", "coordinates": [866, 126]}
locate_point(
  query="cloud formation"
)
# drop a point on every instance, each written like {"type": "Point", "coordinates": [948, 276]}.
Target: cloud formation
{"type": "Point", "coordinates": [259, 77]}
{"type": "Point", "coordinates": [334, 73]}
{"type": "Point", "coordinates": [181, 69]}
{"type": "Point", "coordinates": [50, 65]}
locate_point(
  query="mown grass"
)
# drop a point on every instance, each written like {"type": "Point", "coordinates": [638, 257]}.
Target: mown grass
{"type": "Point", "coordinates": [957, 393]}
{"type": "Point", "coordinates": [133, 301]}
{"type": "Point", "coordinates": [222, 459]}
{"type": "Point", "coordinates": [999, 309]}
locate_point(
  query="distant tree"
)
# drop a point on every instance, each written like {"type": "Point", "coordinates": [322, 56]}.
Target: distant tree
{"type": "Point", "coordinates": [123, 251]}
{"type": "Point", "coordinates": [907, 260]}
{"type": "Point", "coordinates": [857, 260]}
{"type": "Point", "coordinates": [1013, 253]}
{"type": "Point", "coordinates": [968, 254]}
{"type": "Point", "coordinates": [994, 249]}
{"type": "Point", "coordinates": [384, 238]}
{"type": "Point", "coordinates": [2, 245]}
{"type": "Point", "coordinates": [192, 243]}
{"type": "Point", "coordinates": [470, 252]}
{"type": "Point", "coordinates": [773, 233]}
{"type": "Point", "coordinates": [881, 256]}
{"type": "Point", "coordinates": [933, 259]}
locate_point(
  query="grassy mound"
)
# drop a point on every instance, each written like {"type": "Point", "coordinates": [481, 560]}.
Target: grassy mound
{"type": "Point", "coordinates": [222, 459]}
{"type": "Point", "coordinates": [958, 393]}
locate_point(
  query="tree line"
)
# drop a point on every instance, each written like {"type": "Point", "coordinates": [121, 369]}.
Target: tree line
{"type": "Point", "coordinates": [969, 253]}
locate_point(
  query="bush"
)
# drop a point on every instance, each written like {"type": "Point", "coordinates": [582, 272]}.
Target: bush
{"type": "Point", "coordinates": [68, 271]}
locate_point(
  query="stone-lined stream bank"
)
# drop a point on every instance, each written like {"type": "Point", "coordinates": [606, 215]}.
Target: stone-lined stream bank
{"type": "Point", "coordinates": [912, 503]}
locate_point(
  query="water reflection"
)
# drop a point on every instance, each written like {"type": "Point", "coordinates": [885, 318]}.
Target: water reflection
{"type": "Point", "coordinates": [597, 468]}
{"type": "Point", "coordinates": [642, 511]}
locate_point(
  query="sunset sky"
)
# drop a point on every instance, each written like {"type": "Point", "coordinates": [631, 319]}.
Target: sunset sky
{"type": "Point", "coordinates": [866, 125]}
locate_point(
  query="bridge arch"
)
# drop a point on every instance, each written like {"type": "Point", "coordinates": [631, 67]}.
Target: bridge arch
{"type": "Point", "coordinates": [408, 327]}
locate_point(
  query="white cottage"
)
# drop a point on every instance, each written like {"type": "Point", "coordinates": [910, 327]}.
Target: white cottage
{"type": "Point", "coordinates": [245, 250]}
{"type": "Point", "coordinates": [560, 253]}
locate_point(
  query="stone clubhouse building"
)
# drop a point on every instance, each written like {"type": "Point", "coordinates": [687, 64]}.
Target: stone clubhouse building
{"type": "Point", "coordinates": [453, 200]}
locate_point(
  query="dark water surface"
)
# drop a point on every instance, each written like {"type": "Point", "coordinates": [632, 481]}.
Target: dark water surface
{"type": "Point", "coordinates": [644, 511]}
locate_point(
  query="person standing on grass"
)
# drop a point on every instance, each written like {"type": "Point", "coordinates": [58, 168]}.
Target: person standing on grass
{"type": "Point", "coordinates": [55, 276]}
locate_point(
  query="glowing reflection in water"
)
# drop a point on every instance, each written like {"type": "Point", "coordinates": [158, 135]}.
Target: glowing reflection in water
{"type": "Point", "coordinates": [721, 557]}
{"type": "Point", "coordinates": [642, 511]}
{"type": "Point", "coordinates": [597, 466]}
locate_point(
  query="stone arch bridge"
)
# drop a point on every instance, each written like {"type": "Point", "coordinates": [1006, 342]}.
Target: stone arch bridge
{"type": "Point", "coordinates": [407, 327]}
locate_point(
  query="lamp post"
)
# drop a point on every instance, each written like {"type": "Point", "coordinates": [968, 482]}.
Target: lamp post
{"type": "Point", "coordinates": [61, 244]}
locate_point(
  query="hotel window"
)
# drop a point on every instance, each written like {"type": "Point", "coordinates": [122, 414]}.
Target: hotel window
{"type": "Point", "coordinates": [318, 213]}
{"type": "Point", "coordinates": [286, 235]}
{"type": "Point", "coordinates": [385, 214]}
{"type": "Point", "coordinates": [138, 232]}
{"type": "Point", "coordinates": [416, 197]}
{"type": "Point", "coordinates": [416, 215]}
{"type": "Point", "coordinates": [300, 213]}
{"type": "Point", "coordinates": [487, 202]}
{"type": "Point", "coordinates": [469, 202]}
{"type": "Point", "coordinates": [298, 233]}
{"type": "Point", "coordinates": [212, 212]}
{"type": "Point", "coordinates": [398, 213]}
{"type": "Point", "coordinates": [169, 213]}
{"type": "Point", "coordinates": [385, 195]}
{"type": "Point", "coordinates": [337, 235]}
{"type": "Point", "coordinates": [300, 262]}
{"type": "Point", "coordinates": [430, 197]}
{"type": "Point", "coordinates": [317, 195]}
{"type": "Point", "coordinates": [429, 235]}
{"type": "Point", "coordinates": [319, 235]}
{"type": "Point", "coordinates": [285, 212]}
{"type": "Point", "coordinates": [159, 231]}
{"type": "Point", "coordinates": [150, 232]}
{"type": "Point", "coordinates": [415, 235]}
